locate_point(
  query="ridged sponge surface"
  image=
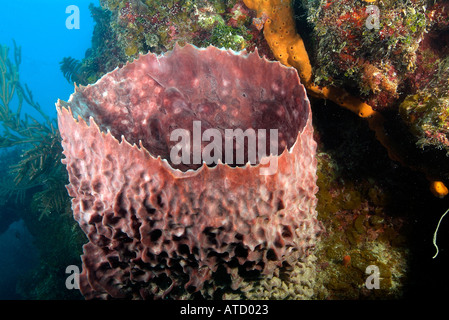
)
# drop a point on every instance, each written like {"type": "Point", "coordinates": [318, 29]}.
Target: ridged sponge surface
{"type": "Point", "coordinates": [157, 229]}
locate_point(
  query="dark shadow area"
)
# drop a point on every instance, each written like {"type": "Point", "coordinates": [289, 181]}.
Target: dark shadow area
{"type": "Point", "coordinates": [349, 141]}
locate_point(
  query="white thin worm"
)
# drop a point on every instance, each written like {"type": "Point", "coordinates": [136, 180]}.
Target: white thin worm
{"type": "Point", "coordinates": [435, 234]}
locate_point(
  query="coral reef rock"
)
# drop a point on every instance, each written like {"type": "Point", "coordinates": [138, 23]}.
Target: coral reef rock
{"type": "Point", "coordinates": [157, 229]}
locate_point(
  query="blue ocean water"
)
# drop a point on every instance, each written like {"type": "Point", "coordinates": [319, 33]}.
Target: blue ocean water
{"type": "Point", "coordinates": [39, 27]}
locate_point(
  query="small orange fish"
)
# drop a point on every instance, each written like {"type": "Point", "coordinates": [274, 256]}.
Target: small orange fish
{"type": "Point", "coordinates": [438, 189]}
{"type": "Point", "coordinates": [346, 260]}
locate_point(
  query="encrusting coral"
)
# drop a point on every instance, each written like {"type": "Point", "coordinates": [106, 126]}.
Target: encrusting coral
{"type": "Point", "coordinates": [157, 25]}
{"type": "Point", "coordinates": [426, 113]}
{"type": "Point", "coordinates": [179, 227]}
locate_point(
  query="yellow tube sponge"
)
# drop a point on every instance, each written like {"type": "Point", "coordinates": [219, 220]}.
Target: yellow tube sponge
{"type": "Point", "coordinates": [279, 31]}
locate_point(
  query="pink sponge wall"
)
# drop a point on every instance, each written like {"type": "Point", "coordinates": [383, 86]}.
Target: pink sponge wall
{"type": "Point", "coordinates": [158, 230]}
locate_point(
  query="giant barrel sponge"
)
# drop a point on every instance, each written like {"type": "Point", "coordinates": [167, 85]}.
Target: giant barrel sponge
{"type": "Point", "coordinates": [160, 229]}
